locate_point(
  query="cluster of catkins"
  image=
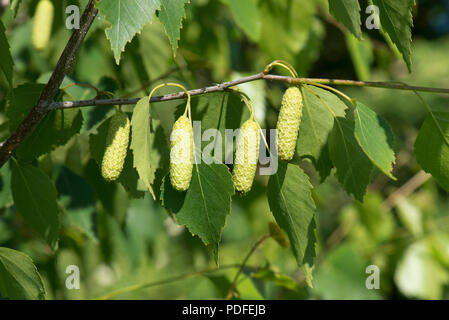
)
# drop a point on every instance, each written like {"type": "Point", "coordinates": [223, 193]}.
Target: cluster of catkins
{"type": "Point", "coordinates": [182, 147]}
{"type": "Point", "coordinates": [248, 140]}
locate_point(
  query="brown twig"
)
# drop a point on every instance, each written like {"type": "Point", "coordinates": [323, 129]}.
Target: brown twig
{"type": "Point", "coordinates": [41, 108]}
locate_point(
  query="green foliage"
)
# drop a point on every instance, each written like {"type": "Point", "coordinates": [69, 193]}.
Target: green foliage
{"type": "Point", "coordinates": [35, 199]}
{"type": "Point", "coordinates": [319, 111]}
{"type": "Point", "coordinates": [396, 20]}
{"type": "Point", "coordinates": [171, 15]}
{"type": "Point", "coordinates": [353, 166]}
{"type": "Point", "coordinates": [375, 137]}
{"type": "Point", "coordinates": [6, 63]}
{"type": "Point", "coordinates": [433, 140]}
{"type": "Point", "coordinates": [206, 204]}
{"type": "Point", "coordinates": [347, 12]}
{"type": "Point", "coordinates": [126, 20]}
{"type": "Point", "coordinates": [140, 143]}
{"type": "Point", "coordinates": [19, 278]}
{"type": "Point", "coordinates": [247, 16]}
{"type": "Point", "coordinates": [290, 198]}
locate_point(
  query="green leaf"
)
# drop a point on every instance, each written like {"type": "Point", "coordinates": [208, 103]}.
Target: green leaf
{"type": "Point", "coordinates": [6, 62]}
{"type": "Point", "coordinates": [397, 20]}
{"type": "Point", "coordinates": [35, 199]}
{"type": "Point", "coordinates": [319, 110]}
{"type": "Point", "coordinates": [286, 27]}
{"type": "Point", "coordinates": [128, 177]}
{"type": "Point", "coordinates": [25, 96]}
{"type": "Point", "coordinates": [5, 186]}
{"type": "Point", "coordinates": [126, 20]}
{"type": "Point", "coordinates": [171, 15]}
{"type": "Point", "coordinates": [19, 278]}
{"type": "Point", "coordinates": [55, 129]}
{"type": "Point", "coordinates": [324, 164]}
{"type": "Point", "coordinates": [204, 207]}
{"type": "Point", "coordinates": [141, 144]}
{"type": "Point", "coordinates": [15, 4]}
{"type": "Point", "coordinates": [432, 145]}
{"type": "Point", "coordinates": [375, 137]}
{"type": "Point", "coordinates": [353, 166]}
{"type": "Point", "coordinates": [278, 279]}
{"type": "Point", "coordinates": [247, 16]}
{"type": "Point", "coordinates": [290, 198]}
{"type": "Point", "coordinates": [348, 13]}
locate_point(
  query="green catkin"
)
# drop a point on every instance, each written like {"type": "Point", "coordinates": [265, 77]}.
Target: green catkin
{"type": "Point", "coordinates": [116, 146]}
{"type": "Point", "coordinates": [42, 23]}
{"type": "Point", "coordinates": [288, 123]}
{"type": "Point", "coordinates": [181, 154]}
{"type": "Point", "coordinates": [246, 156]}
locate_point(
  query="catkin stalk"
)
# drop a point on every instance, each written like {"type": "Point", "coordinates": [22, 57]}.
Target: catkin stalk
{"type": "Point", "coordinates": [246, 156]}
{"type": "Point", "coordinates": [288, 123]}
{"type": "Point", "coordinates": [42, 23]}
{"type": "Point", "coordinates": [116, 146]}
{"type": "Point", "coordinates": [181, 154]}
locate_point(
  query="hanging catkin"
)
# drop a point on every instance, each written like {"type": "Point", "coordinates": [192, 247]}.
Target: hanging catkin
{"type": "Point", "coordinates": [246, 156]}
{"type": "Point", "coordinates": [116, 146]}
{"type": "Point", "coordinates": [181, 154]}
{"type": "Point", "coordinates": [288, 122]}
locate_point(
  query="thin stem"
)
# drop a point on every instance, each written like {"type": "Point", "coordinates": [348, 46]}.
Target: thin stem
{"type": "Point", "coordinates": [250, 253]}
{"type": "Point", "coordinates": [283, 64]}
{"type": "Point", "coordinates": [226, 85]}
{"type": "Point", "coordinates": [145, 285]}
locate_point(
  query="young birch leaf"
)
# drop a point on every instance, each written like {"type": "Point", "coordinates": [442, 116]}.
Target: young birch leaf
{"type": "Point", "coordinates": [432, 146]}
{"type": "Point", "coordinates": [203, 209]}
{"type": "Point", "coordinates": [348, 13]}
{"type": "Point", "coordinates": [375, 137]}
{"type": "Point", "coordinates": [397, 20]}
{"type": "Point", "coordinates": [171, 15]}
{"type": "Point", "coordinates": [319, 110]}
{"type": "Point", "coordinates": [35, 199]}
{"type": "Point", "coordinates": [19, 278]}
{"type": "Point", "coordinates": [140, 142]}
{"type": "Point", "coordinates": [56, 129]}
{"type": "Point", "coordinates": [290, 198]}
{"type": "Point", "coordinates": [6, 62]}
{"type": "Point", "coordinates": [353, 166]}
{"type": "Point", "coordinates": [126, 20]}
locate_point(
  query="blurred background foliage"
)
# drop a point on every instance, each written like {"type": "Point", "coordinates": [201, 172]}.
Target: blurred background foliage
{"type": "Point", "coordinates": [402, 227]}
